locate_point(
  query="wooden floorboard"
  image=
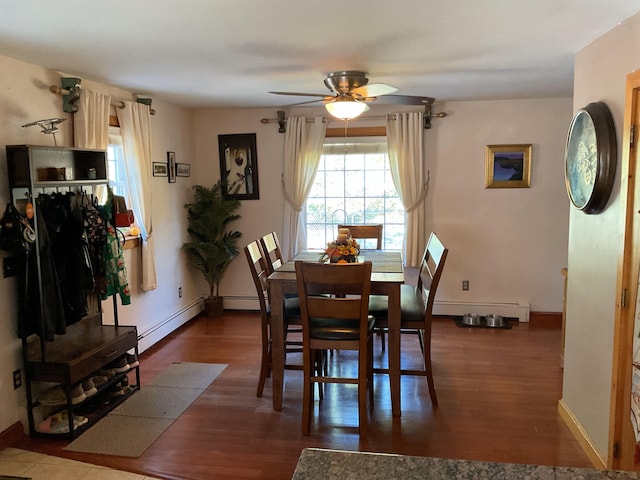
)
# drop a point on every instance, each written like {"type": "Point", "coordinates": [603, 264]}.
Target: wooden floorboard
{"type": "Point", "coordinates": [497, 390]}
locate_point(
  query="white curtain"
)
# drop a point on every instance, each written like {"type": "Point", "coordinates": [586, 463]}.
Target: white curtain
{"type": "Point", "coordinates": [135, 127]}
{"type": "Point", "coordinates": [406, 160]}
{"type": "Point", "coordinates": [302, 151]}
{"type": "Point", "coordinates": [91, 121]}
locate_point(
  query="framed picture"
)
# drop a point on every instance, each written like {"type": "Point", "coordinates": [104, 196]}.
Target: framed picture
{"type": "Point", "coordinates": [171, 166]}
{"type": "Point", "coordinates": [239, 166]}
{"type": "Point", "coordinates": [508, 166]}
{"type": "Point", "coordinates": [183, 169]}
{"type": "Point", "coordinates": [159, 169]}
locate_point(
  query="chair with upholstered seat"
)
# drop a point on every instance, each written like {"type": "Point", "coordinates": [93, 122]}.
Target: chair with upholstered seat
{"type": "Point", "coordinates": [416, 304]}
{"type": "Point", "coordinates": [334, 300]}
{"type": "Point", "coordinates": [364, 232]}
{"type": "Point", "coordinates": [291, 308]}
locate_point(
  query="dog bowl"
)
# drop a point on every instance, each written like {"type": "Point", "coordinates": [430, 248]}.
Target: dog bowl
{"type": "Point", "coordinates": [471, 319]}
{"type": "Point", "coordinates": [494, 320]}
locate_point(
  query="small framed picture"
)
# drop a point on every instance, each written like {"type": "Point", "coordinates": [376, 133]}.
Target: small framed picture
{"type": "Point", "coordinates": [159, 169]}
{"type": "Point", "coordinates": [183, 169]}
{"type": "Point", "coordinates": [171, 166]}
{"type": "Point", "coordinates": [508, 166]}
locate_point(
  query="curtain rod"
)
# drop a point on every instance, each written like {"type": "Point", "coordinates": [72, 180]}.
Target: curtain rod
{"type": "Point", "coordinates": [281, 120]}
{"type": "Point", "coordinates": [116, 103]}
{"type": "Point", "coordinates": [337, 120]}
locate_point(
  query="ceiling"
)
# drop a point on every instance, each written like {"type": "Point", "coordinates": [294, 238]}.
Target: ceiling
{"type": "Point", "coordinates": [231, 53]}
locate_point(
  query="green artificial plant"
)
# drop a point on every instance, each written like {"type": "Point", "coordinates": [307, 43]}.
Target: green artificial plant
{"type": "Point", "coordinates": [213, 244]}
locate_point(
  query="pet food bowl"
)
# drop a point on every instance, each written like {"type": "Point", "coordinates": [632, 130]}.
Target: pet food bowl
{"type": "Point", "coordinates": [471, 319]}
{"type": "Point", "coordinates": [494, 321]}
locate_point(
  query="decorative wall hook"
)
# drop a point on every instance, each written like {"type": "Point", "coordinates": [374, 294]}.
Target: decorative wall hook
{"type": "Point", "coordinates": [282, 122]}
{"type": "Point", "coordinates": [72, 87]}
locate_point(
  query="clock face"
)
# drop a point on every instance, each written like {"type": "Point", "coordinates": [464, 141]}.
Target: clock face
{"type": "Point", "coordinates": [582, 159]}
{"type": "Point", "coordinates": [590, 158]}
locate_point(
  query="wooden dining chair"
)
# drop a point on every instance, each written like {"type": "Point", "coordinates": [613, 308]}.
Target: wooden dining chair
{"type": "Point", "coordinates": [334, 299]}
{"type": "Point", "coordinates": [416, 304]}
{"type": "Point", "coordinates": [364, 232]}
{"type": "Point", "coordinates": [291, 309]}
{"type": "Point", "coordinates": [271, 251]}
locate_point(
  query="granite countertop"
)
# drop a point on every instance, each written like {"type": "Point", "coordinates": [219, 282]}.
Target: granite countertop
{"type": "Point", "coordinates": [317, 464]}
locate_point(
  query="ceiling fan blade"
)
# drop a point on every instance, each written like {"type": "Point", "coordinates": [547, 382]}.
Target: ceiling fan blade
{"type": "Point", "coordinates": [306, 103]}
{"type": "Point", "coordinates": [373, 90]}
{"type": "Point", "coordinates": [301, 94]}
{"type": "Point", "coordinates": [405, 100]}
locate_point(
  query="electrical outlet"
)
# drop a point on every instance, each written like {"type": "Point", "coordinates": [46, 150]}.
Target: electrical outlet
{"type": "Point", "coordinates": [179, 292]}
{"type": "Point", "coordinates": [465, 285]}
{"type": "Point", "coordinates": [17, 379]}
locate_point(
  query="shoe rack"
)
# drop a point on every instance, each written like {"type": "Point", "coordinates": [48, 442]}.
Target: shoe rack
{"type": "Point", "coordinates": [88, 346]}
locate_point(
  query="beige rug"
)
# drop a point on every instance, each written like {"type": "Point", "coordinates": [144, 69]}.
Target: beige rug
{"type": "Point", "coordinates": [132, 427]}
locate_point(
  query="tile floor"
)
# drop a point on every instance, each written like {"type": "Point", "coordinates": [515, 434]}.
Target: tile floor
{"type": "Point", "coordinates": [37, 466]}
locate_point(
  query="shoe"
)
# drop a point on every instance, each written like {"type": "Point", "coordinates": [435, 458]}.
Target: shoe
{"type": "Point", "coordinates": [89, 387]}
{"type": "Point", "coordinates": [120, 365]}
{"type": "Point", "coordinates": [53, 397]}
{"type": "Point", "coordinates": [59, 423]}
{"type": "Point", "coordinates": [120, 388]}
{"type": "Point", "coordinates": [99, 380]}
{"type": "Point", "coordinates": [132, 360]}
{"type": "Point", "coordinates": [107, 372]}
{"type": "Point", "coordinates": [57, 396]}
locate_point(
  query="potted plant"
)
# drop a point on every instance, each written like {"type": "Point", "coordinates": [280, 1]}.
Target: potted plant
{"type": "Point", "coordinates": [213, 244]}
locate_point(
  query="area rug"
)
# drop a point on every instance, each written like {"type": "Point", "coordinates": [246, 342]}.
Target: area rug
{"type": "Point", "coordinates": [132, 427]}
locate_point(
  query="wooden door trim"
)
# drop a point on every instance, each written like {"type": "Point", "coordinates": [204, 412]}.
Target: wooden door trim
{"type": "Point", "coordinates": [620, 449]}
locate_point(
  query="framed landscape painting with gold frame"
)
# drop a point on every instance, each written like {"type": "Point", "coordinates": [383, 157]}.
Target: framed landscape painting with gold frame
{"type": "Point", "coordinates": [508, 166]}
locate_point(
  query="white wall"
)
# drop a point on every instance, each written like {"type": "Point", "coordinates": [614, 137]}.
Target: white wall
{"type": "Point", "coordinates": [25, 97]}
{"type": "Point", "coordinates": [510, 243]}
{"type": "Point", "coordinates": [595, 246]}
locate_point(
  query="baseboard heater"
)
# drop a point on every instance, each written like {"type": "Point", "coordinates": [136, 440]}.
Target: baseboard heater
{"type": "Point", "coordinates": [153, 335]}
{"type": "Point", "coordinates": [506, 309]}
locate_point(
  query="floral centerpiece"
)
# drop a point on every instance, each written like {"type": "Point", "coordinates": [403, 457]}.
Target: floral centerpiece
{"type": "Point", "coordinates": [342, 250]}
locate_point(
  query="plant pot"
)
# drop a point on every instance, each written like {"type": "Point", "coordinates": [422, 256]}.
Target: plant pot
{"type": "Point", "coordinates": [213, 307]}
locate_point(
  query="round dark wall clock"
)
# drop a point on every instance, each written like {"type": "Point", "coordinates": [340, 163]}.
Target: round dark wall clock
{"type": "Point", "coordinates": [590, 158]}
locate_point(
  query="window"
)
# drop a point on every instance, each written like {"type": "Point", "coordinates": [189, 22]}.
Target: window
{"type": "Point", "coordinates": [115, 162]}
{"type": "Point", "coordinates": [353, 185]}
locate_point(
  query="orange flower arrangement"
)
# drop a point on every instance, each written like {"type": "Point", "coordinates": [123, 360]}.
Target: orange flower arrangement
{"type": "Point", "coordinates": [341, 251]}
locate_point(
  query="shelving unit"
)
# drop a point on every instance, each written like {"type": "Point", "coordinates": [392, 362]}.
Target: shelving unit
{"type": "Point", "coordinates": [88, 345]}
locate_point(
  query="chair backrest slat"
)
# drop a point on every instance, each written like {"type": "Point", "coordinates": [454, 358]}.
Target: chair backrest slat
{"type": "Point", "coordinates": [433, 260]}
{"type": "Point", "coordinates": [345, 290]}
{"type": "Point", "coordinates": [271, 251]}
{"type": "Point", "coordinates": [360, 232]}
{"type": "Point", "coordinates": [259, 273]}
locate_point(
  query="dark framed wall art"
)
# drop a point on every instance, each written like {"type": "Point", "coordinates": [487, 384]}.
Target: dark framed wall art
{"type": "Point", "coordinates": [171, 166]}
{"type": "Point", "coordinates": [508, 166]}
{"type": "Point", "coordinates": [239, 166]}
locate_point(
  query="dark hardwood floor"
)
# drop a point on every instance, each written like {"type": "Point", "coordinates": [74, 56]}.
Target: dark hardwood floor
{"type": "Point", "coordinates": [497, 390]}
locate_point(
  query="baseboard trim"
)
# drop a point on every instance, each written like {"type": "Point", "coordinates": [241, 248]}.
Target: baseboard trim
{"type": "Point", "coordinates": [506, 309]}
{"type": "Point", "coordinates": [580, 435]}
{"type": "Point", "coordinates": [11, 435]}
{"type": "Point", "coordinates": [159, 331]}
{"type": "Point", "coordinates": [546, 319]}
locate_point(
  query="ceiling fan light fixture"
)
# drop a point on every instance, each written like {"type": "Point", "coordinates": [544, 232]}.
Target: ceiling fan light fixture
{"type": "Point", "coordinates": [346, 108]}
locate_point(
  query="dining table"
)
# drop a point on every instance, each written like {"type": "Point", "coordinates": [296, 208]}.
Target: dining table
{"type": "Point", "coordinates": [387, 274]}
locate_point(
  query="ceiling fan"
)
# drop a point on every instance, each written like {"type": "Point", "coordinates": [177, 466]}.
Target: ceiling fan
{"type": "Point", "coordinates": [352, 92]}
